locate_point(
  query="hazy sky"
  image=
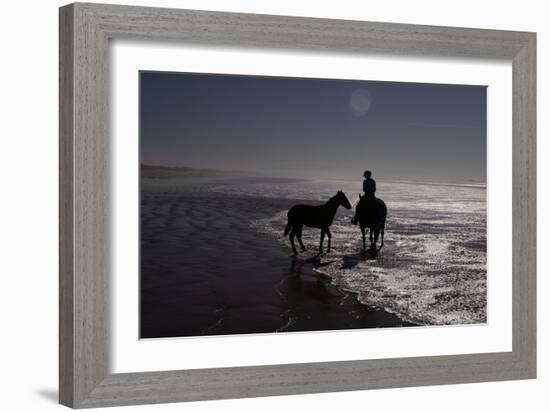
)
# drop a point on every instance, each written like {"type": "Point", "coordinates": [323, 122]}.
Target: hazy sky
{"type": "Point", "coordinates": [314, 127]}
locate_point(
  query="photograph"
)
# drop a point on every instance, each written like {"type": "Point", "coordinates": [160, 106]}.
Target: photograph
{"type": "Point", "coordinates": [285, 204]}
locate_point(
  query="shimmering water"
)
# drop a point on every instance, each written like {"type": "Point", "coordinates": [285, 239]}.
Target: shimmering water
{"type": "Point", "coordinates": [432, 269]}
{"type": "Point", "coordinates": [214, 259]}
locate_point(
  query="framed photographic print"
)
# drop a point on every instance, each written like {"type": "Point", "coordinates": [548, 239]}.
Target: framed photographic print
{"type": "Point", "coordinates": [262, 205]}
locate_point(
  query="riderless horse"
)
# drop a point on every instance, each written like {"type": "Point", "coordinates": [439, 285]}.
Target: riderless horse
{"type": "Point", "coordinates": [314, 216]}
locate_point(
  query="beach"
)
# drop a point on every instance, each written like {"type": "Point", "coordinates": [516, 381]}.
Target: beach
{"type": "Point", "coordinates": [214, 260]}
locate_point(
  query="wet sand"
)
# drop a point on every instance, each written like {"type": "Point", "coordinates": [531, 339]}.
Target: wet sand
{"type": "Point", "coordinates": [206, 271]}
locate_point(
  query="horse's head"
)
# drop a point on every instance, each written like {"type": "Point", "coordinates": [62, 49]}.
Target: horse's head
{"type": "Point", "coordinates": [343, 200]}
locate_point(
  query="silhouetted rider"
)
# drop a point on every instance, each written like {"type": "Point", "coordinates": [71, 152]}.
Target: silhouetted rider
{"type": "Point", "coordinates": [369, 185]}
{"type": "Point", "coordinates": [367, 199]}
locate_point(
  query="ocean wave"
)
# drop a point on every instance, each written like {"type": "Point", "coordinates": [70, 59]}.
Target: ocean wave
{"type": "Point", "coordinates": [431, 271]}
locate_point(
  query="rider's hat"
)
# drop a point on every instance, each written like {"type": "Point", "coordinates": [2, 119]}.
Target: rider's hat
{"type": "Point", "coordinates": [367, 173]}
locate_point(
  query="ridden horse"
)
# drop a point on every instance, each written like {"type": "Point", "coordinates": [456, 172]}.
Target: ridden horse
{"type": "Point", "coordinates": [372, 216]}
{"type": "Point", "coordinates": [314, 216]}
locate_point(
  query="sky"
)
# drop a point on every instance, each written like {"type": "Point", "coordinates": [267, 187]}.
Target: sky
{"type": "Point", "coordinates": [314, 128]}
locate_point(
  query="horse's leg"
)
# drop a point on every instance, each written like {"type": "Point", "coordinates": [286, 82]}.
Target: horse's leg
{"type": "Point", "coordinates": [299, 236]}
{"type": "Point", "coordinates": [291, 236]}
{"type": "Point", "coordinates": [376, 234]}
{"type": "Point", "coordinates": [364, 238]}
{"type": "Point", "coordinates": [329, 235]}
{"type": "Point", "coordinates": [382, 237]}
{"type": "Point", "coordinates": [322, 239]}
{"type": "Point", "coordinates": [370, 236]}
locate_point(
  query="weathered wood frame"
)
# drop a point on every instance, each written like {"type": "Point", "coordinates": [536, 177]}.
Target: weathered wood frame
{"type": "Point", "coordinates": [85, 30]}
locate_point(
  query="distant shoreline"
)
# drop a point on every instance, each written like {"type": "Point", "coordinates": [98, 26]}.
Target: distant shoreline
{"type": "Point", "coordinates": [169, 172]}
{"type": "Point", "coordinates": [476, 185]}
{"type": "Point", "coordinates": [174, 172]}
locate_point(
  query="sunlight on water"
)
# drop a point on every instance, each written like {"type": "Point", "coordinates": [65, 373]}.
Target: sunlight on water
{"type": "Point", "coordinates": [432, 269]}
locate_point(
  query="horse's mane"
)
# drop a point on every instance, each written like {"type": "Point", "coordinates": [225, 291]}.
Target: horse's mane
{"type": "Point", "coordinates": [333, 199]}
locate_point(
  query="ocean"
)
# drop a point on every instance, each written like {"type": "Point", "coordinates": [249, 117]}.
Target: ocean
{"type": "Point", "coordinates": [214, 259]}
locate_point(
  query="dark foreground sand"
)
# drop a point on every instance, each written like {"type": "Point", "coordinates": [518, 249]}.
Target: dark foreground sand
{"type": "Point", "coordinates": [206, 271]}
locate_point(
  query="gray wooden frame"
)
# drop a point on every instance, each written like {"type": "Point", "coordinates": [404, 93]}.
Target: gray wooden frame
{"type": "Point", "coordinates": [85, 31]}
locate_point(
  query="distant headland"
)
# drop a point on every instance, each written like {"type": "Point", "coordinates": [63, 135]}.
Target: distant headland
{"type": "Point", "coordinates": [172, 172]}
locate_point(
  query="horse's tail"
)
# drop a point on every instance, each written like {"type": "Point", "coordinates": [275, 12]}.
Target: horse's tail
{"type": "Point", "coordinates": [287, 228]}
